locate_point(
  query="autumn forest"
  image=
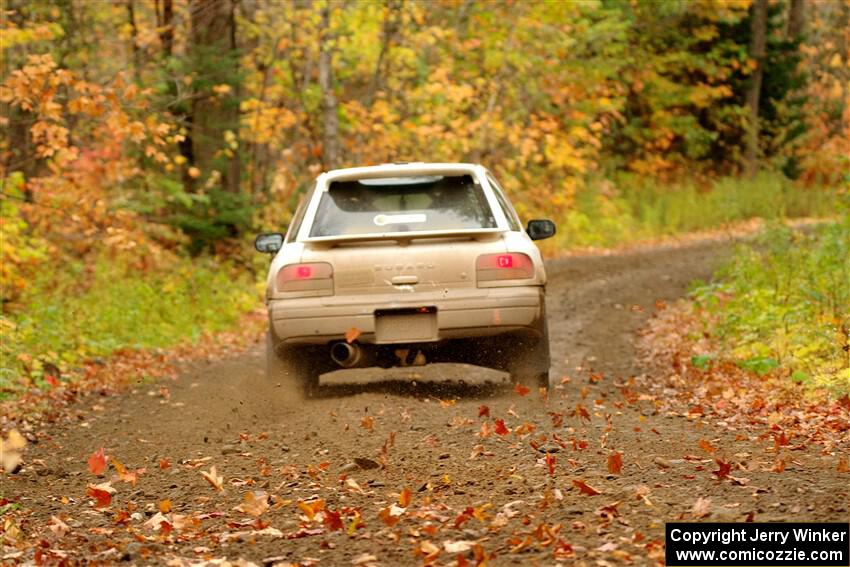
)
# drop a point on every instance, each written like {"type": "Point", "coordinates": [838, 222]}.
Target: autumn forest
{"type": "Point", "coordinates": [144, 143]}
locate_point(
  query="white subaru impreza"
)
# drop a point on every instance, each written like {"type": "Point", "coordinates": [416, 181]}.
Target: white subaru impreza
{"type": "Point", "coordinates": [406, 264]}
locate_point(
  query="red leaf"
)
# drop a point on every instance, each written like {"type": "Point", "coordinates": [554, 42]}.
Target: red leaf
{"type": "Point", "coordinates": [585, 488]}
{"type": "Point", "coordinates": [500, 427]}
{"type": "Point", "coordinates": [723, 471]}
{"type": "Point", "coordinates": [464, 517]}
{"type": "Point", "coordinates": [615, 462]}
{"type": "Point", "coordinates": [483, 411]}
{"type": "Point", "coordinates": [97, 462]}
{"type": "Point", "coordinates": [550, 463]}
{"type": "Point", "coordinates": [102, 497]}
{"type": "Point", "coordinates": [332, 520]}
{"type": "Point", "coordinates": [521, 390]}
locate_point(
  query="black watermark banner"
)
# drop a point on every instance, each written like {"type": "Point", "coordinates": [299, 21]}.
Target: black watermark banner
{"type": "Point", "coordinates": [764, 544]}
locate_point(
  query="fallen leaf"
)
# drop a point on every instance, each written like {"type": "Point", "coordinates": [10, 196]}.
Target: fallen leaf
{"type": "Point", "coordinates": [585, 488]}
{"type": "Point", "coordinates": [352, 334]}
{"type": "Point", "coordinates": [521, 390]}
{"type": "Point", "coordinates": [461, 546]}
{"type": "Point", "coordinates": [615, 462]}
{"type": "Point", "coordinates": [215, 480]}
{"type": "Point", "coordinates": [255, 503]}
{"type": "Point", "coordinates": [706, 446]}
{"type": "Point", "coordinates": [312, 507]}
{"type": "Point", "coordinates": [843, 465]}
{"type": "Point", "coordinates": [581, 412]}
{"type": "Point", "coordinates": [10, 450]}
{"type": "Point", "coordinates": [723, 470]}
{"type": "Point", "coordinates": [102, 493]}
{"type": "Point", "coordinates": [158, 522]}
{"type": "Point", "coordinates": [58, 527]}
{"type": "Point", "coordinates": [405, 497]}
{"type": "Point", "coordinates": [391, 515]}
{"type": "Point", "coordinates": [701, 508]}
{"type": "Point", "coordinates": [332, 520]}
{"type": "Point", "coordinates": [483, 411]}
{"type": "Point", "coordinates": [97, 462]}
{"type": "Point", "coordinates": [500, 427]}
{"type": "Point", "coordinates": [364, 558]}
{"type": "Point", "coordinates": [550, 464]}
{"type": "Point", "coordinates": [368, 422]}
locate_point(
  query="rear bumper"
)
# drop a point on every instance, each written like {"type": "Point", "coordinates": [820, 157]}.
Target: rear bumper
{"type": "Point", "coordinates": [478, 312]}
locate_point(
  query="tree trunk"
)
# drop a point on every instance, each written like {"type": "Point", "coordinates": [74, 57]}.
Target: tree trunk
{"type": "Point", "coordinates": [215, 115]}
{"type": "Point", "coordinates": [796, 19]}
{"type": "Point", "coordinates": [758, 33]}
{"type": "Point", "coordinates": [134, 45]}
{"type": "Point", "coordinates": [166, 35]}
{"type": "Point", "coordinates": [330, 142]}
{"type": "Point", "coordinates": [844, 54]}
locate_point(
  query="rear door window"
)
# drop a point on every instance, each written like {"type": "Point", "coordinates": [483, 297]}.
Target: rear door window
{"type": "Point", "coordinates": [402, 204]}
{"type": "Point", "coordinates": [507, 209]}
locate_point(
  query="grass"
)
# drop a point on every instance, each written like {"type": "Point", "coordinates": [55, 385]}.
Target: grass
{"type": "Point", "coordinates": [785, 303]}
{"type": "Point", "coordinates": [78, 313]}
{"type": "Point", "coordinates": [633, 209]}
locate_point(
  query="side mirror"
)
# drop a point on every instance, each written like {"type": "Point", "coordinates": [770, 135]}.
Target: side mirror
{"type": "Point", "coordinates": [269, 243]}
{"type": "Point", "coordinates": [538, 229]}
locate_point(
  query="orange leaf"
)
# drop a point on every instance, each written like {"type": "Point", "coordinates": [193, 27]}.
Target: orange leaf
{"type": "Point", "coordinates": [352, 334]}
{"type": "Point", "coordinates": [706, 446]}
{"type": "Point", "coordinates": [585, 488]}
{"type": "Point", "coordinates": [405, 497]}
{"type": "Point", "coordinates": [581, 412]}
{"type": "Point", "coordinates": [485, 429]}
{"type": "Point", "coordinates": [164, 464]}
{"type": "Point", "coordinates": [97, 462]}
{"type": "Point", "coordinates": [165, 506]}
{"type": "Point", "coordinates": [521, 390]}
{"type": "Point", "coordinates": [550, 463]}
{"type": "Point", "coordinates": [368, 422]}
{"type": "Point", "coordinates": [500, 427]}
{"type": "Point", "coordinates": [387, 517]}
{"type": "Point", "coordinates": [615, 462]}
{"type": "Point", "coordinates": [843, 465]}
{"type": "Point", "coordinates": [311, 508]}
{"type": "Point", "coordinates": [483, 411]}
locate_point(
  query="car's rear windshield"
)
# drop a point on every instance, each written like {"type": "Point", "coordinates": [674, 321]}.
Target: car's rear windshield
{"type": "Point", "coordinates": [402, 204]}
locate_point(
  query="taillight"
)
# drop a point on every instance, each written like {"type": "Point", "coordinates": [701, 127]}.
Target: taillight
{"type": "Point", "coordinates": [510, 266]}
{"type": "Point", "coordinates": [316, 277]}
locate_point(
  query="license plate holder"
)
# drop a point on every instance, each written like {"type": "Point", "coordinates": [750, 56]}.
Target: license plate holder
{"type": "Point", "coordinates": [418, 324]}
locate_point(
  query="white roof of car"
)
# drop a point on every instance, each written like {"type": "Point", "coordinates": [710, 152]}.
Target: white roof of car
{"type": "Point", "coordinates": [399, 170]}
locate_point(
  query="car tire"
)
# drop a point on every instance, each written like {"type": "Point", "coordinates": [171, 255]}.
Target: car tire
{"type": "Point", "coordinates": [530, 362]}
{"type": "Point", "coordinates": [292, 369]}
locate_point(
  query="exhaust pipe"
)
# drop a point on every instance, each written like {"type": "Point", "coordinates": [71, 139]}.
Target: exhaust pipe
{"type": "Point", "coordinates": [346, 355]}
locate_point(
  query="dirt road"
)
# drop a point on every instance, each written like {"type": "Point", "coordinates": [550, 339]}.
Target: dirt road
{"type": "Point", "coordinates": [468, 486]}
